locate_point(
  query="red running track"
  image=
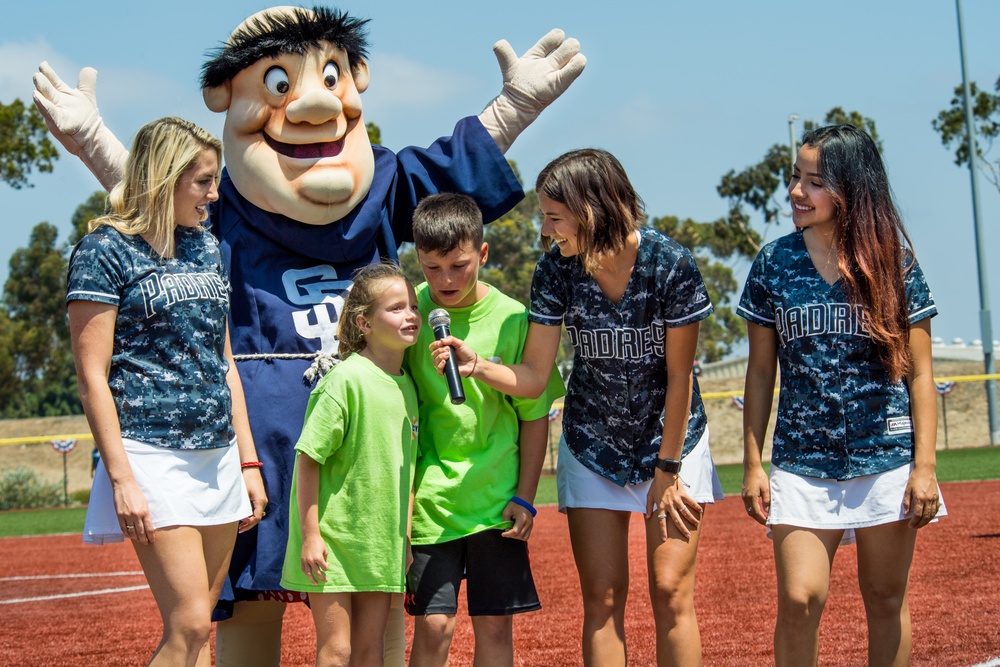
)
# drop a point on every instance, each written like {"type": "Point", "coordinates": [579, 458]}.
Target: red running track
{"type": "Point", "coordinates": [954, 597]}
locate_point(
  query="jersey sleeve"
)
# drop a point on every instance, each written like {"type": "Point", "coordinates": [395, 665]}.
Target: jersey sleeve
{"type": "Point", "coordinates": [96, 271]}
{"type": "Point", "coordinates": [326, 422]}
{"type": "Point", "coordinates": [755, 304]}
{"type": "Point", "coordinates": [549, 295]}
{"type": "Point", "coordinates": [919, 300]}
{"type": "Point", "coordinates": [468, 161]}
{"type": "Point", "coordinates": [686, 299]}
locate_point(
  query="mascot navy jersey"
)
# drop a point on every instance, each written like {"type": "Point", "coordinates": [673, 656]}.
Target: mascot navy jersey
{"type": "Point", "coordinates": [289, 282]}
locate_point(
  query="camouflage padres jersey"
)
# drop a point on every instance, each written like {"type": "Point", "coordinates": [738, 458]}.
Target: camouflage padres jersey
{"type": "Point", "coordinates": [613, 422]}
{"type": "Point", "coordinates": [839, 415]}
{"type": "Point", "coordinates": [168, 370]}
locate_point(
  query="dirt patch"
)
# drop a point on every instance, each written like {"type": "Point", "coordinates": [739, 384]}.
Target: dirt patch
{"type": "Point", "coordinates": [967, 423]}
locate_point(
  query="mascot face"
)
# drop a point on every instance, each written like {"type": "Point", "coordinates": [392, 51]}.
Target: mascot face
{"type": "Point", "coordinates": [295, 138]}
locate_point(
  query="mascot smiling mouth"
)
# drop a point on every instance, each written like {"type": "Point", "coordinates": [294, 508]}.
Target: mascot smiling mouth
{"type": "Point", "coordinates": [305, 151]}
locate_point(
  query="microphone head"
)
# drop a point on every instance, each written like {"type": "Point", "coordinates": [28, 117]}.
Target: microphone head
{"type": "Point", "coordinates": [438, 317]}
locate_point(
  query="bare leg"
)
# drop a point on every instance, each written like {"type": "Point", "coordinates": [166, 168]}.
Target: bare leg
{"type": "Point", "coordinates": [494, 641]}
{"type": "Point", "coordinates": [803, 558]}
{"type": "Point", "coordinates": [331, 614]}
{"type": "Point", "coordinates": [431, 640]}
{"type": "Point", "coordinates": [671, 567]}
{"type": "Point", "coordinates": [185, 567]}
{"type": "Point", "coordinates": [600, 548]}
{"type": "Point", "coordinates": [252, 637]}
{"type": "Point", "coordinates": [884, 556]}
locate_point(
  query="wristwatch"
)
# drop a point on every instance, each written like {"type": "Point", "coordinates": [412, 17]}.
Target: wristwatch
{"type": "Point", "coordinates": [669, 466]}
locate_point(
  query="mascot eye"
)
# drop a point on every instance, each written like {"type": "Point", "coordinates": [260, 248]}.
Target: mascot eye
{"type": "Point", "coordinates": [331, 75]}
{"type": "Point", "coordinates": [276, 81]}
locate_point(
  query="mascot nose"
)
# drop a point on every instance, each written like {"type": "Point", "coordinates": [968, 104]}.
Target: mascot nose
{"type": "Point", "coordinates": [315, 107]}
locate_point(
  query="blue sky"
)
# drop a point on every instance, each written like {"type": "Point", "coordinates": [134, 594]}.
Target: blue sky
{"type": "Point", "coordinates": [681, 92]}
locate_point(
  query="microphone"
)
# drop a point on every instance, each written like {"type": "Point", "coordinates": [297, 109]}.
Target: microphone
{"type": "Point", "coordinates": [439, 320]}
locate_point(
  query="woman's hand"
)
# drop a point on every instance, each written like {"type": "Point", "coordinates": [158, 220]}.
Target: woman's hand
{"type": "Point", "coordinates": [756, 493]}
{"type": "Point", "coordinates": [441, 350]}
{"type": "Point", "coordinates": [254, 481]}
{"type": "Point", "coordinates": [133, 512]}
{"type": "Point", "coordinates": [921, 497]}
{"type": "Point", "coordinates": [313, 558]}
{"type": "Point", "coordinates": [672, 502]}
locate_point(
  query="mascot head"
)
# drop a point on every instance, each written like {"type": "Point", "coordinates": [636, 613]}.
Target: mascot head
{"type": "Point", "coordinates": [290, 81]}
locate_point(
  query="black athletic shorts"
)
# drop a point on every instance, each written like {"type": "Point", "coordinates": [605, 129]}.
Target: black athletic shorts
{"type": "Point", "coordinates": [496, 569]}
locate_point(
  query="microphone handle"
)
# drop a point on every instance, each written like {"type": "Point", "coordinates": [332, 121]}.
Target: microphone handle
{"type": "Point", "coordinates": [451, 370]}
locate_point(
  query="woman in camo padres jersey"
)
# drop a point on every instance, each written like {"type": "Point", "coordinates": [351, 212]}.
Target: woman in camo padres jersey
{"type": "Point", "coordinates": [631, 299]}
{"type": "Point", "coordinates": [842, 306]}
{"type": "Point", "coordinates": [148, 301]}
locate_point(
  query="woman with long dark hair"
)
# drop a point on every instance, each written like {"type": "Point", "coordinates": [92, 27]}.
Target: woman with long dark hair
{"type": "Point", "coordinates": [842, 306]}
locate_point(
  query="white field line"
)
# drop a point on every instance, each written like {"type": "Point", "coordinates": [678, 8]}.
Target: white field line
{"type": "Point", "coordinates": [83, 575]}
{"type": "Point", "coordinates": [995, 662]}
{"type": "Point", "coordinates": [103, 591]}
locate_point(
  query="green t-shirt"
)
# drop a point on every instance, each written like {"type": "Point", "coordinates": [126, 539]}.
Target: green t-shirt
{"type": "Point", "coordinates": [468, 466]}
{"type": "Point", "coordinates": [361, 427]}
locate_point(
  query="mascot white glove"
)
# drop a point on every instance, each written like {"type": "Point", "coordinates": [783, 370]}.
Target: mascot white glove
{"type": "Point", "coordinates": [72, 117]}
{"type": "Point", "coordinates": [530, 83]}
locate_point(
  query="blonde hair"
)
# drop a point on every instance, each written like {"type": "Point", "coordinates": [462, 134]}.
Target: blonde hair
{"type": "Point", "coordinates": [143, 202]}
{"type": "Point", "coordinates": [366, 290]}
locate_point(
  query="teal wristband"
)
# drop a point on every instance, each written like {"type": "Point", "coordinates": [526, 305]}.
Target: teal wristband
{"type": "Point", "coordinates": [525, 504]}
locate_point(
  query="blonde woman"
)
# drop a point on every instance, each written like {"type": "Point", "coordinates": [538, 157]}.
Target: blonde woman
{"type": "Point", "coordinates": [148, 300]}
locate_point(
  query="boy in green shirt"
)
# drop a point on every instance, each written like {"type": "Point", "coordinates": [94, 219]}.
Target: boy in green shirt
{"type": "Point", "coordinates": [479, 462]}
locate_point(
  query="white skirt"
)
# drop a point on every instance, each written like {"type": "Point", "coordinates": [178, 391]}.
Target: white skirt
{"type": "Point", "coordinates": [830, 504]}
{"type": "Point", "coordinates": [183, 487]}
{"type": "Point", "coordinates": [579, 486]}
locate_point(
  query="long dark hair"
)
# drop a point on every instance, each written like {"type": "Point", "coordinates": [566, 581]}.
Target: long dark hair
{"type": "Point", "coordinates": [870, 237]}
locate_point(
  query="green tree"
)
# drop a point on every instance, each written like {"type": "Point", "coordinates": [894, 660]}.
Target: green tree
{"type": "Point", "coordinates": [950, 124]}
{"type": "Point", "coordinates": [95, 206]}
{"type": "Point", "coordinates": [44, 377]}
{"type": "Point", "coordinates": [514, 250]}
{"type": "Point", "coordinates": [37, 373]}
{"type": "Point", "coordinates": [24, 144]}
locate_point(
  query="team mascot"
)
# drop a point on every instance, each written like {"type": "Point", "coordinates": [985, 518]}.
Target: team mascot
{"type": "Point", "coordinates": [304, 200]}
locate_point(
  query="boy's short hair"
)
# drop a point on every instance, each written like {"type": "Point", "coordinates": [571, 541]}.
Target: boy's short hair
{"type": "Point", "coordinates": [445, 221]}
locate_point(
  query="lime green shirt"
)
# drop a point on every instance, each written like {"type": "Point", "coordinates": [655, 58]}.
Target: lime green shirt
{"type": "Point", "coordinates": [361, 427]}
{"type": "Point", "coordinates": [468, 466]}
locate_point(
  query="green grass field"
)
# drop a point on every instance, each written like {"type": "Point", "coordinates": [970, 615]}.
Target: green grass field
{"type": "Point", "coordinates": [957, 465]}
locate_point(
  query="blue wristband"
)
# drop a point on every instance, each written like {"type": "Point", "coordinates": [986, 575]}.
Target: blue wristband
{"type": "Point", "coordinates": [525, 504]}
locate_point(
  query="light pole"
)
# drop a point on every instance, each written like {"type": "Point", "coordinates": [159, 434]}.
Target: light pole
{"type": "Point", "coordinates": [791, 139]}
{"type": "Point", "coordinates": [985, 323]}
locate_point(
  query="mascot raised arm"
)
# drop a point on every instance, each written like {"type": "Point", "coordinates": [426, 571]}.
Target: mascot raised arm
{"type": "Point", "coordinates": [305, 199]}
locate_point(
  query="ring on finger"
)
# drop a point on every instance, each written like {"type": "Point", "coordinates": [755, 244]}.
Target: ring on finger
{"type": "Point", "coordinates": [661, 515]}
